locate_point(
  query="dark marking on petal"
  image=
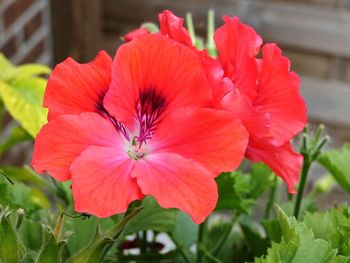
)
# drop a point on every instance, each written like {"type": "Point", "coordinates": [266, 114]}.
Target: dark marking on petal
{"type": "Point", "coordinates": [104, 113]}
{"type": "Point", "coordinates": [149, 108]}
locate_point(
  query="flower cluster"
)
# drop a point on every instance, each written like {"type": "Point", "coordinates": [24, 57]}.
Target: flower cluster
{"type": "Point", "coordinates": [164, 119]}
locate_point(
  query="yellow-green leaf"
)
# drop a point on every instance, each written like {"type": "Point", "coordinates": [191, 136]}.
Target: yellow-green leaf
{"type": "Point", "coordinates": [23, 99]}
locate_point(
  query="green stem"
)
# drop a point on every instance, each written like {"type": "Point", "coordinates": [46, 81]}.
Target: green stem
{"type": "Point", "coordinates": [271, 199]}
{"type": "Point", "coordinates": [143, 245]}
{"type": "Point", "coordinates": [115, 232]}
{"type": "Point", "coordinates": [181, 249]}
{"type": "Point", "coordinates": [304, 174]}
{"type": "Point", "coordinates": [190, 27]}
{"type": "Point", "coordinates": [210, 34]}
{"type": "Point", "coordinates": [218, 247]}
{"type": "Point", "coordinates": [201, 230]}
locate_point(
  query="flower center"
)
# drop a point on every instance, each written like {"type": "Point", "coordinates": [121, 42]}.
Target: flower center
{"type": "Point", "coordinates": [149, 108]}
{"type": "Point", "coordinates": [135, 152]}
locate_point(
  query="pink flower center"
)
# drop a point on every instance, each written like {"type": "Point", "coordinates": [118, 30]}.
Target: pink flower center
{"type": "Point", "coordinates": [136, 151]}
{"type": "Point", "coordinates": [148, 113]}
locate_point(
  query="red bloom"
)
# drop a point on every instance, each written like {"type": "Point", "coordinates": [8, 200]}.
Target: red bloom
{"type": "Point", "coordinates": [263, 93]}
{"type": "Point", "coordinates": [138, 126]}
{"type": "Point", "coordinates": [270, 90]}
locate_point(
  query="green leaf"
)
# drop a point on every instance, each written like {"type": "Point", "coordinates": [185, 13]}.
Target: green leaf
{"type": "Point", "coordinates": [11, 248]}
{"type": "Point", "coordinates": [261, 180]}
{"type": "Point", "coordinates": [254, 235]}
{"type": "Point", "coordinates": [93, 251]}
{"type": "Point", "coordinates": [7, 69]}
{"type": "Point", "coordinates": [153, 217]}
{"type": "Point", "coordinates": [20, 195]}
{"type": "Point", "coordinates": [84, 230]}
{"type": "Point", "coordinates": [299, 244]}
{"type": "Point", "coordinates": [239, 191]}
{"type": "Point", "coordinates": [51, 248]}
{"type": "Point", "coordinates": [186, 231]}
{"type": "Point", "coordinates": [30, 70]}
{"type": "Point", "coordinates": [233, 192]}
{"type": "Point", "coordinates": [22, 93]}
{"type": "Point", "coordinates": [214, 240]}
{"type": "Point", "coordinates": [31, 234]}
{"type": "Point", "coordinates": [23, 99]}
{"type": "Point", "coordinates": [332, 226]}
{"type": "Point", "coordinates": [272, 229]}
{"type": "Point", "coordinates": [337, 163]}
{"type": "Point", "coordinates": [24, 175]}
{"type": "Point", "coordinates": [6, 194]}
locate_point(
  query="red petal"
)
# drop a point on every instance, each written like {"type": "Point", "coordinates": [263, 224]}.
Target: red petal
{"type": "Point", "coordinates": [279, 96]}
{"type": "Point", "coordinates": [256, 122]}
{"type": "Point", "coordinates": [74, 88]}
{"type": "Point", "coordinates": [283, 160]}
{"type": "Point", "coordinates": [154, 62]}
{"type": "Point", "coordinates": [221, 85]}
{"type": "Point", "coordinates": [214, 138]}
{"type": "Point", "coordinates": [102, 183]}
{"type": "Point", "coordinates": [135, 33]}
{"type": "Point", "coordinates": [178, 182]}
{"type": "Point", "coordinates": [238, 44]}
{"type": "Point", "coordinates": [61, 140]}
{"type": "Point", "coordinates": [172, 27]}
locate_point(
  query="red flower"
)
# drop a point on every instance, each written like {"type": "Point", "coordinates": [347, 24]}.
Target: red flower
{"type": "Point", "coordinates": [263, 93]}
{"type": "Point", "coordinates": [138, 126]}
{"type": "Point", "coordinates": [270, 90]}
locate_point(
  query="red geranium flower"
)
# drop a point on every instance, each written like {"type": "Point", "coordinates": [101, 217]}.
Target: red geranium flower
{"type": "Point", "coordinates": [136, 126]}
{"type": "Point", "coordinates": [270, 90]}
{"type": "Point", "coordinates": [262, 92]}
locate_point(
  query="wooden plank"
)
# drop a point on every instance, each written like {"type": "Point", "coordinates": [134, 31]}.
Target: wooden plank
{"type": "Point", "coordinates": [316, 28]}
{"type": "Point", "coordinates": [63, 38]}
{"type": "Point", "coordinates": [309, 27]}
{"type": "Point", "coordinates": [76, 29]}
{"type": "Point", "coordinates": [328, 101]}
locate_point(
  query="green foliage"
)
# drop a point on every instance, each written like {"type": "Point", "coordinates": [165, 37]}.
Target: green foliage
{"type": "Point", "coordinates": [185, 230]}
{"type": "Point", "coordinates": [21, 91]}
{"type": "Point", "coordinates": [51, 249]}
{"type": "Point", "coordinates": [20, 195]}
{"type": "Point", "coordinates": [254, 235]}
{"type": "Point", "coordinates": [153, 217]}
{"type": "Point", "coordinates": [333, 226]}
{"type": "Point", "coordinates": [213, 238]}
{"type": "Point", "coordinates": [238, 192]}
{"type": "Point", "coordinates": [94, 250]}
{"type": "Point", "coordinates": [337, 163]}
{"type": "Point", "coordinates": [299, 244]}
{"type": "Point", "coordinates": [11, 247]}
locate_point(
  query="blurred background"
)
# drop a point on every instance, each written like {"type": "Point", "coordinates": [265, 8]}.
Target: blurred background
{"type": "Point", "coordinates": [314, 34]}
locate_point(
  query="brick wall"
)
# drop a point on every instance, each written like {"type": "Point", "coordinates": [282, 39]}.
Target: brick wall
{"type": "Point", "coordinates": [25, 31]}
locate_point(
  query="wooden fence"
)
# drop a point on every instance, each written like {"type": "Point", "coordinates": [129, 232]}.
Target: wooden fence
{"type": "Point", "coordinates": [316, 36]}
